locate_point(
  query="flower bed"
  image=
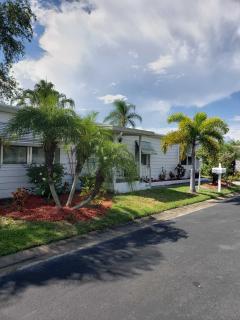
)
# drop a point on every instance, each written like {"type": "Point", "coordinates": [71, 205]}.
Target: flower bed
{"type": "Point", "coordinates": [38, 209]}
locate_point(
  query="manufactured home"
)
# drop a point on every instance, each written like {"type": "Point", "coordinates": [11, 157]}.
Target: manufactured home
{"type": "Point", "coordinates": [145, 145]}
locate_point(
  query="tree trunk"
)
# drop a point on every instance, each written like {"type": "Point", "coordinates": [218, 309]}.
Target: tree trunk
{"type": "Point", "coordinates": [193, 186]}
{"type": "Point", "coordinates": [54, 194]}
{"type": "Point", "coordinates": [78, 168]}
{"type": "Point", "coordinates": [73, 189]}
{"type": "Point", "coordinates": [49, 159]}
{"type": "Point", "coordinates": [98, 183]}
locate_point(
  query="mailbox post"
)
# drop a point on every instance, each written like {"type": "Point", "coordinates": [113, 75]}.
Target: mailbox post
{"type": "Point", "coordinates": [219, 171]}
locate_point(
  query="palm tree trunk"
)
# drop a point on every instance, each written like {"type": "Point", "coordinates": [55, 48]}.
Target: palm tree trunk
{"type": "Point", "coordinates": [55, 195]}
{"type": "Point", "coordinates": [49, 159]}
{"type": "Point", "coordinates": [73, 189]}
{"type": "Point", "coordinates": [78, 169]}
{"type": "Point", "coordinates": [98, 183]}
{"type": "Point", "coordinates": [193, 187]}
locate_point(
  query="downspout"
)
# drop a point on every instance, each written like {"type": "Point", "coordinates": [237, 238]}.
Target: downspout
{"type": "Point", "coordinates": [140, 156]}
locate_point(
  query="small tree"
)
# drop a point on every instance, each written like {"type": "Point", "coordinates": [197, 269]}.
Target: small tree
{"type": "Point", "coordinates": [87, 137]}
{"type": "Point", "coordinates": [110, 156]}
{"type": "Point", "coordinates": [44, 114]}
{"type": "Point", "coordinates": [199, 131]}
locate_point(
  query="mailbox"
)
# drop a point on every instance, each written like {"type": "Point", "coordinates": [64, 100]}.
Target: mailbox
{"type": "Point", "coordinates": [218, 170]}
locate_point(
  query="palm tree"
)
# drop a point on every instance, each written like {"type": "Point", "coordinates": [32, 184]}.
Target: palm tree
{"type": "Point", "coordinates": [123, 114]}
{"type": "Point", "coordinates": [87, 138]}
{"type": "Point", "coordinates": [199, 131]}
{"type": "Point", "coordinates": [110, 156]}
{"type": "Point", "coordinates": [44, 114]}
{"type": "Point", "coordinates": [41, 91]}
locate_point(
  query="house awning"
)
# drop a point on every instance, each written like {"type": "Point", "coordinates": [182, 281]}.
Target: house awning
{"type": "Point", "coordinates": [146, 147]}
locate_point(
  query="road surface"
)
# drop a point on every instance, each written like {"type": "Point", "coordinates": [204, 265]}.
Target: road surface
{"type": "Point", "coordinates": [188, 268]}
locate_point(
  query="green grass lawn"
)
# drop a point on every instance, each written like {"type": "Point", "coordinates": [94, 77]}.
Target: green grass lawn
{"type": "Point", "coordinates": [16, 235]}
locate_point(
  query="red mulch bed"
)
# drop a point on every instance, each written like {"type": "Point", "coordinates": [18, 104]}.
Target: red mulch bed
{"type": "Point", "coordinates": [38, 209]}
{"type": "Point", "coordinates": [214, 186]}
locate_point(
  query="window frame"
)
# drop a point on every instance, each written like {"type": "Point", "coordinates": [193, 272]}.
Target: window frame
{"type": "Point", "coordinates": [14, 163]}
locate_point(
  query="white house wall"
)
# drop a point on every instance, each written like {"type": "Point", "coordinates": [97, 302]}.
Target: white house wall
{"type": "Point", "coordinates": [13, 176]}
{"type": "Point", "coordinates": [168, 161]}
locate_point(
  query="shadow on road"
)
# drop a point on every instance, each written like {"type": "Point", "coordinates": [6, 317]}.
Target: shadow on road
{"type": "Point", "coordinates": [125, 256]}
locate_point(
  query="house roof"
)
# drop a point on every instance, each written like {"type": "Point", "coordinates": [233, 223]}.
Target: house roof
{"type": "Point", "coordinates": [132, 131]}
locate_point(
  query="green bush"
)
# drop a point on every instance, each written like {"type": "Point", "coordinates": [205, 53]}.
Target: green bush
{"type": "Point", "coordinates": [38, 176]}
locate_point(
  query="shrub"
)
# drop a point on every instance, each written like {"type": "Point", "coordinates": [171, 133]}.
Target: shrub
{"type": "Point", "coordinates": [180, 171]}
{"type": "Point", "coordinates": [38, 176]}
{"type": "Point", "coordinates": [19, 198]}
{"type": "Point", "coordinates": [171, 175]}
{"type": "Point", "coordinates": [163, 174]}
{"type": "Point", "coordinates": [87, 184]}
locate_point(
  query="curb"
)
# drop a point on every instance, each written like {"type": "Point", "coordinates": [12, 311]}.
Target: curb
{"type": "Point", "coordinates": [32, 256]}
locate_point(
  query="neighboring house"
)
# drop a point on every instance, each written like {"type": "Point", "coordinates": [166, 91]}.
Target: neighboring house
{"type": "Point", "coordinates": [145, 146]}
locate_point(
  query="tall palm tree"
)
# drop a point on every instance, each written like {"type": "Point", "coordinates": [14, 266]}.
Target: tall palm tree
{"type": "Point", "coordinates": [41, 92]}
{"type": "Point", "coordinates": [201, 130]}
{"type": "Point", "coordinates": [44, 113]}
{"type": "Point", "coordinates": [123, 114]}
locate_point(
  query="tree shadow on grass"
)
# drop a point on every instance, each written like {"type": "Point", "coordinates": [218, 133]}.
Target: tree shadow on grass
{"type": "Point", "coordinates": [123, 257]}
{"type": "Point", "coordinates": [164, 195]}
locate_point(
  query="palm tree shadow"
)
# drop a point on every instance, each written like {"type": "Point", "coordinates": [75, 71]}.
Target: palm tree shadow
{"type": "Point", "coordinates": [123, 257]}
{"type": "Point", "coordinates": [164, 194]}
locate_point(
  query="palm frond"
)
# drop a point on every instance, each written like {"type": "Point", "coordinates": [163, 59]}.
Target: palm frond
{"type": "Point", "coordinates": [177, 117]}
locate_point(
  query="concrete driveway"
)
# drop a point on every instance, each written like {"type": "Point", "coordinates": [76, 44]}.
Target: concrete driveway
{"type": "Point", "coordinates": [188, 268]}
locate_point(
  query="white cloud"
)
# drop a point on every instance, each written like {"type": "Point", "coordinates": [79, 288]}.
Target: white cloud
{"type": "Point", "coordinates": [236, 118]}
{"type": "Point", "coordinates": [233, 133]}
{"type": "Point", "coordinates": [109, 98]}
{"type": "Point", "coordinates": [161, 64]}
{"type": "Point", "coordinates": [181, 52]}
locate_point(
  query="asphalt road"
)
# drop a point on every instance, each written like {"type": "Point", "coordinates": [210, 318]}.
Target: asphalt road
{"type": "Point", "coordinates": [188, 268]}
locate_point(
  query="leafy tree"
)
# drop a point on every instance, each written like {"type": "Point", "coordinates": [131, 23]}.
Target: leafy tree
{"type": "Point", "coordinates": [16, 18]}
{"type": "Point", "coordinates": [123, 114]}
{"type": "Point", "coordinates": [199, 131]}
{"type": "Point", "coordinates": [44, 114]}
{"type": "Point", "coordinates": [110, 156]}
{"type": "Point", "coordinates": [226, 155]}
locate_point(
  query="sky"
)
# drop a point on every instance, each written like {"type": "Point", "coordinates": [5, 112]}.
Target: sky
{"type": "Point", "coordinates": [163, 56]}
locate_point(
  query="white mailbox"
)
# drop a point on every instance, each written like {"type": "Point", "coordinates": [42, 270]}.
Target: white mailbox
{"type": "Point", "coordinates": [219, 171]}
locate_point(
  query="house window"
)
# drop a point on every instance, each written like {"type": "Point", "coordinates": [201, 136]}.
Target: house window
{"type": "Point", "coordinates": [189, 160]}
{"type": "Point", "coordinates": [15, 155]}
{"type": "Point", "coordinates": [145, 159]}
{"type": "Point", "coordinates": [38, 156]}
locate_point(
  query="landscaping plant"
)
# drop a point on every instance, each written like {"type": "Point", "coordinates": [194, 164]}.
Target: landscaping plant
{"type": "Point", "coordinates": [180, 171]}
{"type": "Point", "coordinates": [48, 114]}
{"type": "Point", "coordinates": [38, 175]}
{"type": "Point", "coordinates": [191, 133]}
{"type": "Point", "coordinates": [19, 198]}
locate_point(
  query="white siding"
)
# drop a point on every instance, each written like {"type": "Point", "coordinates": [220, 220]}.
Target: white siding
{"type": "Point", "coordinates": [168, 161]}
{"type": "Point", "coordinates": [13, 176]}
{"type": "Point", "coordinates": [5, 117]}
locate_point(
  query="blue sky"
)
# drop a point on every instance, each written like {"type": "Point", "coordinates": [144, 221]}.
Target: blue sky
{"type": "Point", "coordinates": [171, 56]}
